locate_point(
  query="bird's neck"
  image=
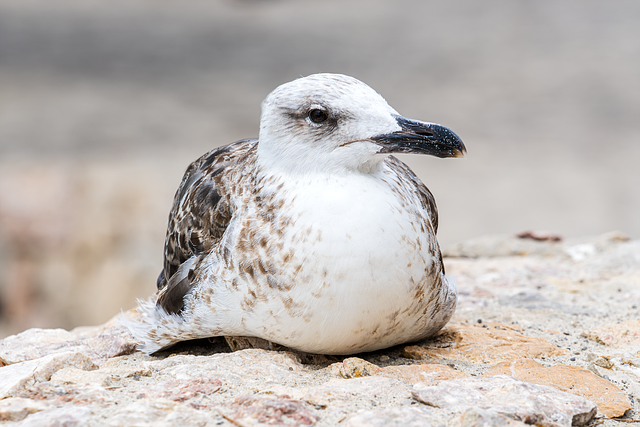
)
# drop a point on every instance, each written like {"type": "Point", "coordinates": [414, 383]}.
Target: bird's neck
{"type": "Point", "coordinates": [295, 164]}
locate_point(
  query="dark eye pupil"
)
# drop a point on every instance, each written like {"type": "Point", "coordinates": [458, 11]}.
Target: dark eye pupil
{"type": "Point", "coordinates": [317, 116]}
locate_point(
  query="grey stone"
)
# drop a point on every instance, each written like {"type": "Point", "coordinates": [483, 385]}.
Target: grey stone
{"type": "Point", "coordinates": [476, 417]}
{"type": "Point", "coordinates": [158, 412]}
{"type": "Point", "coordinates": [34, 343]}
{"type": "Point", "coordinates": [529, 403]}
{"type": "Point", "coordinates": [59, 417]}
{"type": "Point", "coordinates": [400, 417]}
{"type": "Point", "coordinates": [14, 378]}
{"type": "Point", "coordinates": [341, 392]}
{"type": "Point", "coordinates": [100, 345]}
{"type": "Point", "coordinates": [270, 411]}
{"type": "Point", "coordinates": [17, 408]}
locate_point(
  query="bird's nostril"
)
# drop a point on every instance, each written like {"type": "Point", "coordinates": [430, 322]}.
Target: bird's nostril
{"type": "Point", "coordinates": [425, 133]}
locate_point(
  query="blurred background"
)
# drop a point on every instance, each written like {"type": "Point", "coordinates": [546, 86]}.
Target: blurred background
{"type": "Point", "coordinates": [104, 103]}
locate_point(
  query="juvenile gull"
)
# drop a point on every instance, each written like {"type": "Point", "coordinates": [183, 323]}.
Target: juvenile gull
{"type": "Point", "coordinates": [311, 236]}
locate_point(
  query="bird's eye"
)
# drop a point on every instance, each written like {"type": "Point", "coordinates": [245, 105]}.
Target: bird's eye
{"type": "Point", "coordinates": [317, 116]}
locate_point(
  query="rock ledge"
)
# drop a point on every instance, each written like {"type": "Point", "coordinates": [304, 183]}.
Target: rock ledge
{"type": "Point", "coordinates": [544, 334]}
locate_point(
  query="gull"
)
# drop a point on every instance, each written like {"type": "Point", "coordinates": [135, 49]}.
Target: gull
{"type": "Point", "coordinates": [312, 236]}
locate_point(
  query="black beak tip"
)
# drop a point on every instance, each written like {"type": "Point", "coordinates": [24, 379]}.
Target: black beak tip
{"type": "Point", "coordinates": [421, 138]}
{"type": "Point", "coordinates": [459, 149]}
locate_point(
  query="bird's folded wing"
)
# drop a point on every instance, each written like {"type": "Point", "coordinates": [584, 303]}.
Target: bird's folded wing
{"type": "Point", "coordinates": [200, 214]}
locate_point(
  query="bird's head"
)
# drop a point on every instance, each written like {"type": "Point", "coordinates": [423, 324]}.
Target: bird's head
{"type": "Point", "coordinates": [337, 124]}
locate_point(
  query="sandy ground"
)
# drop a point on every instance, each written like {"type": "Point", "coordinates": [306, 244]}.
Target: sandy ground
{"type": "Point", "coordinates": [103, 104]}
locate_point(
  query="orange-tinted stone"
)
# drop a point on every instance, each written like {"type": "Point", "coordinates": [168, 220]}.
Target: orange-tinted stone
{"type": "Point", "coordinates": [474, 343]}
{"type": "Point", "coordinates": [353, 367]}
{"type": "Point", "coordinates": [423, 373]}
{"type": "Point", "coordinates": [617, 334]}
{"type": "Point", "coordinates": [610, 400]}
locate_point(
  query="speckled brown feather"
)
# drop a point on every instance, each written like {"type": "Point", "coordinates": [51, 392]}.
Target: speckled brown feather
{"type": "Point", "coordinates": [425, 195]}
{"type": "Point", "coordinates": [428, 201]}
{"type": "Point", "coordinates": [200, 214]}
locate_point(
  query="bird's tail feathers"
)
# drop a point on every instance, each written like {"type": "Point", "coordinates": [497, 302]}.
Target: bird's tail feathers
{"type": "Point", "coordinates": [153, 327]}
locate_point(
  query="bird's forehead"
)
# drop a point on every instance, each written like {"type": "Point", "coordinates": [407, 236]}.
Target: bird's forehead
{"type": "Point", "coordinates": [329, 90]}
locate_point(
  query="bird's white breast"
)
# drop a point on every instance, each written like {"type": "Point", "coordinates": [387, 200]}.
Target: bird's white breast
{"type": "Point", "coordinates": [355, 231]}
{"type": "Point", "coordinates": [355, 273]}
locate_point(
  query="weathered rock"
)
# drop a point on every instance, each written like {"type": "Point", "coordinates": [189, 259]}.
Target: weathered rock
{"type": "Point", "coordinates": [340, 393]}
{"type": "Point", "coordinates": [111, 342]}
{"type": "Point", "coordinates": [579, 381]}
{"type": "Point", "coordinates": [474, 343]}
{"type": "Point", "coordinates": [509, 308]}
{"type": "Point", "coordinates": [14, 378]}
{"type": "Point", "coordinates": [428, 373]}
{"type": "Point", "coordinates": [616, 335]}
{"type": "Point", "coordinates": [270, 411]}
{"type": "Point", "coordinates": [17, 408]}
{"type": "Point", "coordinates": [354, 367]}
{"type": "Point", "coordinates": [428, 416]}
{"type": "Point", "coordinates": [253, 366]}
{"type": "Point", "coordinates": [66, 416]}
{"type": "Point", "coordinates": [529, 403]}
{"type": "Point", "coordinates": [109, 376]}
{"type": "Point", "coordinates": [626, 377]}
{"type": "Point", "coordinates": [34, 343]}
{"type": "Point", "coordinates": [100, 343]}
{"type": "Point", "coordinates": [368, 389]}
{"type": "Point", "coordinates": [157, 412]}
{"type": "Point", "coordinates": [82, 395]}
{"type": "Point", "coordinates": [179, 391]}
{"type": "Point", "coordinates": [400, 417]}
{"type": "Point", "coordinates": [476, 417]}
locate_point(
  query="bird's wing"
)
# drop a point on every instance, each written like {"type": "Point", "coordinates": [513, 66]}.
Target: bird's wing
{"type": "Point", "coordinates": [423, 193]}
{"type": "Point", "coordinates": [198, 219]}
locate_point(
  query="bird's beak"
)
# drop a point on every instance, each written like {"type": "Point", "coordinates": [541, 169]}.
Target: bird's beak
{"type": "Point", "coordinates": [421, 138]}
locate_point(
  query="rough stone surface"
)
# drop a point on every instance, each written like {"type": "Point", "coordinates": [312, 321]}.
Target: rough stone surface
{"type": "Point", "coordinates": [475, 343]}
{"type": "Point", "coordinates": [268, 410]}
{"type": "Point", "coordinates": [526, 402]}
{"type": "Point", "coordinates": [32, 344]}
{"type": "Point", "coordinates": [400, 417]}
{"type": "Point", "coordinates": [157, 412]}
{"type": "Point", "coordinates": [17, 408]}
{"type": "Point", "coordinates": [18, 376]}
{"type": "Point", "coordinates": [99, 343]}
{"type": "Point", "coordinates": [66, 416]}
{"type": "Point", "coordinates": [476, 417]}
{"type": "Point", "coordinates": [540, 308]}
{"type": "Point", "coordinates": [429, 416]}
{"type": "Point", "coordinates": [354, 367]}
{"type": "Point", "coordinates": [423, 373]}
{"type": "Point", "coordinates": [610, 400]}
{"type": "Point", "coordinates": [621, 334]}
